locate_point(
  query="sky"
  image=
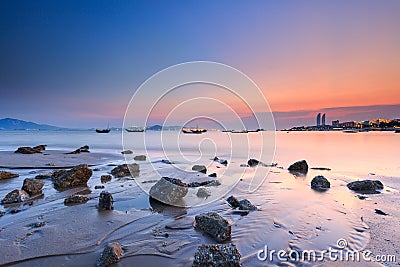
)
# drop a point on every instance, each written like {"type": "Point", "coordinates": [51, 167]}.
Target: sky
{"type": "Point", "coordinates": [78, 63]}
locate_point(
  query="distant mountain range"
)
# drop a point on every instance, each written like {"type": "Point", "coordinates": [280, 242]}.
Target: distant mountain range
{"type": "Point", "coordinates": [14, 124]}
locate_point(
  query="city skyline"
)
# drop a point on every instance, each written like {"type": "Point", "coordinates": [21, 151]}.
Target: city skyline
{"type": "Point", "coordinates": [77, 64]}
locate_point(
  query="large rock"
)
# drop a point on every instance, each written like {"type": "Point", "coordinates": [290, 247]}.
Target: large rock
{"type": "Point", "coordinates": [245, 204]}
{"type": "Point", "coordinates": [77, 176]}
{"type": "Point", "coordinates": [320, 183]}
{"type": "Point", "coordinates": [76, 199]}
{"type": "Point", "coordinates": [214, 225]}
{"type": "Point", "coordinates": [106, 201]}
{"type": "Point", "coordinates": [233, 202]}
{"type": "Point", "coordinates": [111, 254]}
{"type": "Point", "coordinates": [125, 170]}
{"type": "Point", "coordinates": [199, 168]}
{"type": "Point", "coordinates": [32, 186]}
{"type": "Point", "coordinates": [203, 192]}
{"type": "Point", "coordinates": [299, 166]}
{"type": "Point", "coordinates": [105, 178]}
{"type": "Point", "coordinates": [218, 255]}
{"type": "Point", "coordinates": [366, 186]}
{"type": "Point", "coordinates": [40, 147]}
{"type": "Point", "coordinates": [27, 150]}
{"type": "Point", "coordinates": [15, 196]}
{"type": "Point", "coordinates": [7, 175]}
{"type": "Point", "coordinates": [82, 149]}
{"type": "Point", "coordinates": [169, 190]}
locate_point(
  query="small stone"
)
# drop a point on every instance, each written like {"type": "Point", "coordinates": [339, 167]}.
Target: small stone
{"type": "Point", "coordinates": [140, 158]}
{"type": "Point", "coordinates": [2, 212]}
{"type": "Point", "coordinates": [214, 225]}
{"type": "Point", "coordinates": [299, 166]}
{"type": "Point", "coordinates": [15, 196]}
{"type": "Point", "coordinates": [253, 162]}
{"type": "Point", "coordinates": [76, 199]}
{"type": "Point", "coordinates": [199, 168]}
{"type": "Point", "coordinates": [37, 224]}
{"type": "Point", "coordinates": [377, 211]}
{"type": "Point", "coordinates": [32, 186]}
{"type": "Point", "coordinates": [125, 170]}
{"type": "Point", "coordinates": [7, 175]}
{"type": "Point", "coordinates": [212, 175]}
{"type": "Point", "coordinates": [217, 255]}
{"type": "Point", "coordinates": [111, 254]}
{"type": "Point", "coordinates": [320, 183]}
{"type": "Point", "coordinates": [127, 152]}
{"type": "Point", "coordinates": [105, 178]}
{"type": "Point", "coordinates": [99, 187]}
{"type": "Point", "coordinates": [203, 192]}
{"type": "Point", "coordinates": [233, 202]}
{"type": "Point", "coordinates": [106, 201]}
{"type": "Point", "coordinates": [245, 204]}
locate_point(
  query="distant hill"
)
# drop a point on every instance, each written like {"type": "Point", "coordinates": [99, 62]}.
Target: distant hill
{"type": "Point", "coordinates": [14, 124]}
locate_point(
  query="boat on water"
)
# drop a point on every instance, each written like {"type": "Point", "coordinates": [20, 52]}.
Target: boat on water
{"type": "Point", "coordinates": [239, 131]}
{"type": "Point", "coordinates": [194, 130]}
{"type": "Point", "coordinates": [350, 131]}
{"type": "Point", "coordinates": [103, 130]}
{"type": "Point", "coordinates": [134, 130]}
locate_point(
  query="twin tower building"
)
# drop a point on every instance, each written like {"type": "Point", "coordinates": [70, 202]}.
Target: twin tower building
{"type": "Point", "coordinates": [319, 119]}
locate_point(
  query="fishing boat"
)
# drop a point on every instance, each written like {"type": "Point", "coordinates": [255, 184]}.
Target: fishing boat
{"type": "Point", "coordinates": [194, 130]}
{"type": "Point", "coordinates": [103, 130]}
{"type": "Point", "coordinates": [134, 130]}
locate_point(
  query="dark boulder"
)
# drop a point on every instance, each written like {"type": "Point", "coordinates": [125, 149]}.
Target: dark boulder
{"type": "Point", "coordinates": [32, 186]}
{"type": "Point", "coordinates": [245, 204]}
{"type": "Point", "coordinates": [83, 149]}
{"type": "Point", "coordinates": [76, 199]}
{"type": "Point", "coordinates": [140, 158]}
{"type": "Point", "coordinates": [203, 192]}
{"type": "Point", "coordinates": [111, 254]}
{"type": "Point", "coordinates": [106, 201]}
{"type": "Point", "coordinates": [199, 168]}
{"type": "Point", "coordinates": [218, 255]}
{"type": "Point", "coordinates": [7, 175]}
{"type": "Point", "coordinates": [366, 186]}
{"type": "Point", "coordinates": [253, 162]}
{"type": "Point", "coordinates": [43, 176]}
{"type": "Point", "coordinates": [212, 175]}
{"type": "Point", "coordinates": [125, 170]}
{"type": "Point", "coordinates": [15, 196]}
{"type": "Point", "coordinates": [320, 183]}
{"type": "Point", "coordinates": [214, 225]}
{"type": "Point", "coordinates": [77, 176]}
{"type": "Point", "coordinates": [27, 150]}
{"type": "Point", "coordinates": [127, 152]}
{"type": "Point", "coordinates": [299, 166]}
{"type": "Point", "coordinates": [40, 147]}
{"type": "Point", "coordinates": [169, 190]}
{"type": "Point", "coordinates": [233, 202]}
{"type": "Point", "coordinates": [105, 178]}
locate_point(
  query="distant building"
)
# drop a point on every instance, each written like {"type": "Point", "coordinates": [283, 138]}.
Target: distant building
{"type": "Point", "coordinates": [319, 119]}
{"type": "Point", "coordinates": [348, 124]}
{"type": "Point", "coordinates": [335, 123]}
{"type": "Point", "coordinates": [323, 119]}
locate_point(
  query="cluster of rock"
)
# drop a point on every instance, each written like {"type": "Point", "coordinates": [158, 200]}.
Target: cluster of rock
{"type": "Point", "coordinates": [243, 204]}
{"type": "Point", "coordinates": [221, 161]}
{"type": "Point", "coordinates": [7, 175]}
{"type": "Point", "coordinates": [83, 149]}
{"type": "Point", "coordinates": [220, 255]}
{"type": "Point", "coordinates": [77, 176]}
{"type": "Point", "coordinates": [29, 188]}
{"type": "Point", "coordinates": [126, 170]}
{"type": "Point", "coordinates": [30, 150]}
{"type": "Point", "coordinates": [105, 178]}
{"type": "Point", "coordinates": [76, 199]}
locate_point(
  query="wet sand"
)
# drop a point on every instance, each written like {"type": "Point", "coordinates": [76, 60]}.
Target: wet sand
{"type": "Point", "coordinates": [291, 216]}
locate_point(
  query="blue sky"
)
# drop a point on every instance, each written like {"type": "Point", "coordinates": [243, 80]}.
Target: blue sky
{"type": "Point", "coordinates": [77, 63]}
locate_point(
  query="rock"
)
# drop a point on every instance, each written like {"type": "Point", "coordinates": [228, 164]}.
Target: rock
{"type": "Point", "coordinates": [37, 225]}
{"type": "Point", "coordinates": [233, 202]}
{"type": "Point", "coordinates": [105, 178]}
{"type": "Point", "coordinates": [8, 175]}
{"type": "Point", "coordinates": [76, 199]}
{"type": "Point", "coordinates": [40, 147]}
{"type": "Point", "coordinates": [214, 225]}
{"type": "Point", "coordinates": [380, 212]}
{"type": "Point", "coordinates": [140, 158]}
{"type": "Point", "coordinates": [299, 166]}
{"type": "Point", "coordinates": [212, 175]}
{"type": "Point", "coordinates": [125, 170]}
{"type": "Point", "coordinates": [205, 183]}
{"type": "Point", "coordinates": [106, 201]}
{"type": "Point", "coordinates": [111, 254]}
{"type": "Point", "coordinates": [43, 176]}
{"type": "Point", "coordinates": [366, 186]}
{"type": "Point", "coordinates": [27, 150]}
{"type": "Point", "coordinates": [203, 192]}
{"type": "Point", "coordinates": [169, 190]}
{"type": "Point", "coordinates": [127, 152]}
{"type": "Point", "coordinates": [218, 255]}
{"type": "Point", "coordinates": [83, 149]}
{"type": "Point", "coordinates": [199, 168]}
{"type": "Point", "coordinates": [245, 204]}
{"type": "Point", "coordinates": [2, 212]}
{"type": "Point", "coordinates": [166, 161]}
{"type": "Point", "coordinates": [320, 183]}
{"type": "Point", "coordinates": [99, 187]}
{"type": "Point", "coordinates": [77, 176]}
{"type": "Point", "coordinates": [253, 162]}
{"type": "Point", "coordinates": [32, 186]}
{"type": "Point", "coordinates": [320, 169]}
{"type": "Point", "coordinates": [15, 196]}
{"type": "Point", "coordinates": [221, 161]}
{"type": "Point", "coordinates": [244, 165]}
{"type": "Point", "coordinates": [57, 173]}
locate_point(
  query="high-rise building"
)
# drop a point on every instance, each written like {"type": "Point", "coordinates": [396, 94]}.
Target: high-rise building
{"type": "Point", "coordinates": [335, 123]}
{"type": "Point", "coordinates": [319, 119]}
{"type": "Point", "coordinates": [323, 119]}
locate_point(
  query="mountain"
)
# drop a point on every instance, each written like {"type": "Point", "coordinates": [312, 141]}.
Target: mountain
{"type": "Point", "coordinates": [14, 124]}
